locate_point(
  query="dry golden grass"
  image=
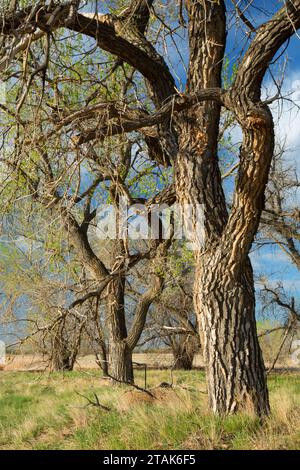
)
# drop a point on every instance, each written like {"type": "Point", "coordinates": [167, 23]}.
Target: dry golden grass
{"type": "Point", "coordinates": [159, 396]}
{"type": "Point", "coordinates": [35, 362]}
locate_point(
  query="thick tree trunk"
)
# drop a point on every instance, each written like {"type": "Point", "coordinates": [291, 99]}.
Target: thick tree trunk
{"type": "Point", "coordinates": [224, 286]}
{"type": "Point", "coordinates": [236, 376]}
{"type": "Point", "coordinates": [224, 291]}
{"type": "Point", "coordinates": [120, 361]}
{"type": "Point", "coordinates": [224, 283]}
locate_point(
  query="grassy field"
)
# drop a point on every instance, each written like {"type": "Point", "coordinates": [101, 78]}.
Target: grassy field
{"type": "Point", "coordinates": [42, 411]}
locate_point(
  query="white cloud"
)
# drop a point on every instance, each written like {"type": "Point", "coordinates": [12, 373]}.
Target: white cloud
{"type": "Point", "coordinates": [274, 265]}
{"type": "Point", "coordinates": [286, 112]}
{"type": "Point", "coordinates": [286, 116]}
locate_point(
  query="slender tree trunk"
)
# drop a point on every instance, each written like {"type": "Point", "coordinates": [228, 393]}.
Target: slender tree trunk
{"type": "Point", "coordinates": [120, 355]}
{"type": "Point", "coordinates": [102, 359]}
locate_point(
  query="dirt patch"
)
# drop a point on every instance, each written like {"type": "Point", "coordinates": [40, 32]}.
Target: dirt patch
{"type": "Point", "coordinates": [156, 396]}
{"type": "Point", "coordinates": [104, 382]}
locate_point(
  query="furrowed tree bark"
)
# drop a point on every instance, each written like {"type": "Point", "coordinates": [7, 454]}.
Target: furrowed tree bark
{"type": "Point", "coordinates": [233, 360]}
{"type": "Point", "coordinates": [120, 362]}
{"type": "Point", "coordinates": [236, 372]}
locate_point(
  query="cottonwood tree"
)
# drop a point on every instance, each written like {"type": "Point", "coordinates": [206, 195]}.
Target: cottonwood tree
{"type": "Point", "coordinates": [70, 184]}
{"type": "Point", "coordinates": [184, 130]}
{"type": "Point", "coordinates": [108, 266]}
{"type": "Point", "coordinates": [64, 303]}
